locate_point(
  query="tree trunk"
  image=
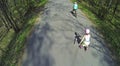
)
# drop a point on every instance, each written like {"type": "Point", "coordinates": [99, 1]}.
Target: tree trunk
{"type": "Point", "coordinates": [4, 22]}
{"type": "Point", "coordinates": [115, 8]}
{"type": "Point", "coordinates": [110, 3]}
{"type": "Point", "coordinates": [7, 15]}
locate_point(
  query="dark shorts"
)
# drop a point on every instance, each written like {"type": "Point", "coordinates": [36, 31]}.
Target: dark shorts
{"type": "Point", "coordinates": [74, 9]}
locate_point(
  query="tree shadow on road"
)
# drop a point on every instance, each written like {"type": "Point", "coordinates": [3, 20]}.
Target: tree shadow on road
{"type": "Point", "coordinates": [98, 41]}
{"type": "Point", "coordinates": [73, 13]}
{"type": "Point", "coordinates": [39, 44]}
{"type": "Point", "coordinates": [99, 45]}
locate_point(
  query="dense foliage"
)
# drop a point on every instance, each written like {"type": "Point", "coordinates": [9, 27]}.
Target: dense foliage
{"type": "Point", "coordinates": [12, 12]}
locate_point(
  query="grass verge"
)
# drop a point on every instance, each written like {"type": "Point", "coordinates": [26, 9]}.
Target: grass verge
{"type": "Point", "coordinates": [13, 44]}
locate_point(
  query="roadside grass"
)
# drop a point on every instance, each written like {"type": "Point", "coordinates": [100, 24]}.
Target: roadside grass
{"type": "Point", "coordinates": [14, 48]}
{"type": "Point", "coordinates": [4, 42]}
{"type": "Point", "coordinates": [12, 45]}
{"type": "Point", "coordinates": [42, 3]}
{"type": "Point", "coordinates": [110, 30]}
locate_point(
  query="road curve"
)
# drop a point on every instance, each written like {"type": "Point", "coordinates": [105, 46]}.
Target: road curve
{"type": "Point", "coordinates": [51, 42]}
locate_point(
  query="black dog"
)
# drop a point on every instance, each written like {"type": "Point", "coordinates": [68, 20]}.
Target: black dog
{"type": "Point", "coordinates": [77, 38]}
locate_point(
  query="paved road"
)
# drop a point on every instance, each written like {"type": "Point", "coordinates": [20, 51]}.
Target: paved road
{"type": "Point", "coordinates": [52, 40]}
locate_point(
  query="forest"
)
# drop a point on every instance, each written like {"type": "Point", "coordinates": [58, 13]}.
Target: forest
{"type": "Point", "coordinates": [14, 15]}
{"type": "Point", "coordinates": [107, 17]}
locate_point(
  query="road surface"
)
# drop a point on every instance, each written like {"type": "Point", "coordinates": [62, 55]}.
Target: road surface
{"type": "Point", "coordinates": [51, 42]}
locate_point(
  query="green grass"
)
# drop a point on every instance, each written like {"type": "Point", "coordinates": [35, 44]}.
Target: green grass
{"type": "Point", "coordinates": [111, 32]}
{"type": "Point", "coordinates": [5, 41]}
{"type": "Point", "coordinates": [13, 44]}
{"type": "Point", "coordinates": [42, 3]}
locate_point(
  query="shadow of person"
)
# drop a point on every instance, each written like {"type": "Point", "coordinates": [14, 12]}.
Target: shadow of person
{"type": "Point", "coordinates": [77, 38]}
{"type": "Point", "coordinates": [73, 13]}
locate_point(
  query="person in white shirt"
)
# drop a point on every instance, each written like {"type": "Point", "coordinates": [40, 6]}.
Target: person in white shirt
{"type": "Point", "coordinates": [86, 39]}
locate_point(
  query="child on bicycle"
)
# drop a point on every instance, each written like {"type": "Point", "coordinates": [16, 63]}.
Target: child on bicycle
{"type": "Point", "coordinates": [86, 39]}
{"type": "Point", "coordinates": [75, 7]}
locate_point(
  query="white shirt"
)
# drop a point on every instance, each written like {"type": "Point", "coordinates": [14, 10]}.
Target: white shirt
{"type": "Point", "coordinates": [86, 40]}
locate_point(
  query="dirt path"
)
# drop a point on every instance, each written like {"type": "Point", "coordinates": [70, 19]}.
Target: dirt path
{"type": "Point", "coordinates": [52, 40]}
